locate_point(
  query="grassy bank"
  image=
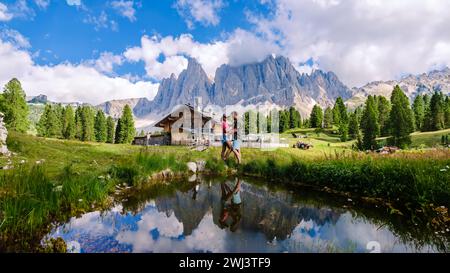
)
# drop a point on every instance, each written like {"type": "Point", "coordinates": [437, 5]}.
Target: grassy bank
{"type": "Point", "coordinates": [414, 178]}
{"type": "Point", "coordinates": [53, 180]}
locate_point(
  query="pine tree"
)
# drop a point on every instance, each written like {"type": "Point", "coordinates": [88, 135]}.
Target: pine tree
{"type": "Point", "coordinates": [118, 138]}
{"type": "Point", "coordinates": [43, 123]}
{"type": "Point", "coordinates": [447, 112]}
{"type": "Point", "coordinates": [100, 127]}
{"type": "Point", "coordinates": [435, 117]}
{"type": "Point", "coordinates": [87, 124]}
{"type": "Point", "coordinates": [426, 120]}
{"type": "Point", "coordinates": [369, 125]}
{"type": "Point", "coordinates": [48, 123]}
{"type": "Point", "coordinates": [78, 123]}
{"type": "Point", "coordinates": [306, 123]}
{"type": "Point", "coordinates": [336, 115]}
{"type": "Point", "coordinates": [419, 112]}
{"type": "Point", "coordinates": [401, 118]}
{"type": "Point", "coordinates": [68, 126]}
{"type": "Point", "coordinates": [110, 130]}
{"type": "Point", "coordinates": [295, 118]}
{"type": "Point", "coordinates": [316, 118]}
{"type": "Point", "coordinates": [328, 118]}
{"type": "Point", "coordinates": [340, 114]}
{"type": "Point", "coordinates": [14, 107]}
{"type": "Point", "coordinates": [340, 118]}
{"type": "Point", "coordinates": [383, 110]}
{"type": "Point", "coordinates": [353, 129]}
{"type": "Point", "coordinates": [251, 118]}
{"type": "Point", "coordinates": [59, 114]}
{"type": "Point", "coordinates": [284, 121]}
{"type": "Point", "coordinates": [127, 130]}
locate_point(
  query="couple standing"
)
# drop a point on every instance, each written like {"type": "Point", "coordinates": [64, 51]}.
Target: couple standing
{"type": "Point", "coordinates": [233, 144]}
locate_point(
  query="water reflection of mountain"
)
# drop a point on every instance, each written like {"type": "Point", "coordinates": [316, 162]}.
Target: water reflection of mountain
{"type": "Point", "coordinates": [273, 213]}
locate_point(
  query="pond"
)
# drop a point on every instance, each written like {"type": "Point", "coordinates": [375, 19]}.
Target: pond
{"type": "Point", "coordinates": [238, 215]}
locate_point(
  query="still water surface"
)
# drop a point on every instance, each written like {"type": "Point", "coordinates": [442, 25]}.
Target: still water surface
{"type": "Point", "coordinates": [235, 216]}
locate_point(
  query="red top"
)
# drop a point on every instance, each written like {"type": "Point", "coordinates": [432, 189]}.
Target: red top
{"type": "Point", "coordinates": [224, 127]}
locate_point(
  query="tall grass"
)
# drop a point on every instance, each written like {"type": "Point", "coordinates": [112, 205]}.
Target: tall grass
{"type": "Point", "coordinates": [30, 200]}
{"type": "Point", "coordinates": [415, 180]}
{"type": "Point", "coordinates": [139, 169]}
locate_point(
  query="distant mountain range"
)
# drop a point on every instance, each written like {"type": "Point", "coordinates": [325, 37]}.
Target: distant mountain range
{"type": "Point", "coordinates": [273, 81]}
{"type": "Point", "coordinates": [412, 85]}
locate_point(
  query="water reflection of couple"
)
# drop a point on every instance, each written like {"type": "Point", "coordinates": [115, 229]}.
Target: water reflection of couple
{"type": "Point", "coordinates": [231, 202]}
{"type": "Point", "coordinates": [229, 146]}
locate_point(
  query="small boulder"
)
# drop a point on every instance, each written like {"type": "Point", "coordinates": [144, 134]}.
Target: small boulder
{"type": "Point", "coordinates": [192, 167]}
{"type": "Point", "coordinates": [193, 178]}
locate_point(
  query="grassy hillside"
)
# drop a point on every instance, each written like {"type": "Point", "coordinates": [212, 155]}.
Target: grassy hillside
{"type": "Point", "coordinates": [428, 139]}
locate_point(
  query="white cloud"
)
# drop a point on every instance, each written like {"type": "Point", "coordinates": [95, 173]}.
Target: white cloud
{"type": "Point", "coordinates": [15, 38]}
{"type": "Point", "coordinates": [68, 82]}
{"type": "Point", "coordinates": [20, 9]}
{"type": "Point", "coordinates": [4, 13]}
{"type": "Point", "coordinates": [106, 62]}
{"type": "Point", "coordinates": [205, 12]}
{"type": "Point", "coordinates": [125, 8]}
{"type": "Point", "coordinates": [361, 41]}
{"type": "Point", "coordinates": [237, 48]}
{"type": "Point", "coordinates": [43, 4]}
{"type": "Point", "coordinates": [101, 22]}
{"type": "Point", "coordinates": [74, 2]}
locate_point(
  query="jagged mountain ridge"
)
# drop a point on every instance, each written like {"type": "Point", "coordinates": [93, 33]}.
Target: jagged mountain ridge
{"type": "Point", "coordinates": [412, 85]}
{"type": "Point", "coordinates": [274, 81]}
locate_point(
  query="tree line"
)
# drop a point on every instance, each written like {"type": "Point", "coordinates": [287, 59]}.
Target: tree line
{"type": "Point", "coordinates": [83, 123]}
{"type": "Point", "coordinates": [380, 117]}
{"type": "Point", "coordinates": [288, 119]}
{"type": "Point", "coordinates": [86, 124]}
{"type": "Point", "coordinates": [394, 118]}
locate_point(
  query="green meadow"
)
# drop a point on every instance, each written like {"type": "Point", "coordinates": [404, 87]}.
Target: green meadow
{"type": "Point", "coordinates": [53, 179]}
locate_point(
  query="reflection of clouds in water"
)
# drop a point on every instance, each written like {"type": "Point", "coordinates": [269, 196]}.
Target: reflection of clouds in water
{"type": "Point", "coordinates": [362, 232]}
{"type": "Point", "coordinates": [158, 232]}
{"type": "Point", "coordinates": [207, 237]}
{"type": "Point", "coordinates": [307, 236]}
{"type": "Point", "coordinates": [92, 223]}
{"type": "Point", "coordinates": [155, 232]}
{"type": "Point", "coordinates": [157, 229]}
{"type": "Point", "coordinates": [73, 247]}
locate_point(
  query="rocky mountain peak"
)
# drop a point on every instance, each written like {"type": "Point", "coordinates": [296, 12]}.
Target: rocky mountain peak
{"type": "Point", "coordinates": [274, 81]}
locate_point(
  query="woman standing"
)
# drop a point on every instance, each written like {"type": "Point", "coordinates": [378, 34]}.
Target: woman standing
{"type": "Point", "coordinates": [226, 144]}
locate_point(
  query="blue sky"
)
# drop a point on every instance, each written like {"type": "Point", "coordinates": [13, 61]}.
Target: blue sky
{"type": "Point", "coordinates": [124, 48]}
{"type": "Point", "coordinates": [63, 32]}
